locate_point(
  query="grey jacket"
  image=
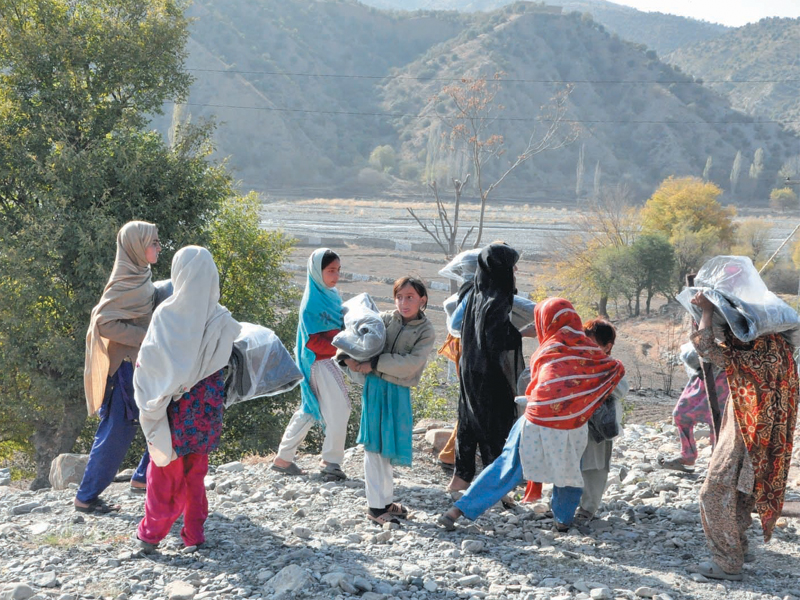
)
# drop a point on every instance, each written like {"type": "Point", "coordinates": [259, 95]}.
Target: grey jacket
{"type": "Point", "coordinates": [407, 349]}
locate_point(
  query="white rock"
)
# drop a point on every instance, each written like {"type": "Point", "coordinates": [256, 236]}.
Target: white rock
{"type": "Point", "coordinates": [231, 467]}
{"type": "Point", "coordinates": [47, 579]}
{"type": "Point", "coordinates": [645, 592]}
{"type": "Point", "coordinates": [472, 546]}
{"type": "Point", "coordinates": [302, 532]}
{"type": "Point", "coordinates": [290, 579]}
{"type": "Point", "coordinates": [66, 469]}
{"type": "Point", "coordinates": [18, 591]}
{"type": "Point", "coordinates": [180, 590]}
{"type": "Point", "coordinates": [601, 594]}
{"type": "Point", "coordinates": [469, 580]}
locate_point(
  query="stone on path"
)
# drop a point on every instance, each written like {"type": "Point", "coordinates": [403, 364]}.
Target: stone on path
{"type": "Point", "coordinates": [290, 579]}
{"type": "Point", "coordinates": [180, 590]}
{"type": "Point", "coordinates": [17, 591]}
{"type": "Point", "coordinates": [438, 438]}
{"type": "Point", "coordinates": [66, 469]}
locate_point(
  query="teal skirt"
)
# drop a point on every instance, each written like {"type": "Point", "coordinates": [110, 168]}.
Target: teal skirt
{"type": "Point", "coordinates": [386, 420]}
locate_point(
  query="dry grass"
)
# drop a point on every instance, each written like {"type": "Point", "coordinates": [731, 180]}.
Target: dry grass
{"type": "Point", "coordinates": [66, 538]}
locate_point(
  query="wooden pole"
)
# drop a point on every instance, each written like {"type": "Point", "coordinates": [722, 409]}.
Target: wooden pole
{"type": "Point", "coordinates": [708, 379]}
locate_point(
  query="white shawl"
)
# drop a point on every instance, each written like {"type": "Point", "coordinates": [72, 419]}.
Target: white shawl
{"type": "Point", "coordinates": [190, 337]}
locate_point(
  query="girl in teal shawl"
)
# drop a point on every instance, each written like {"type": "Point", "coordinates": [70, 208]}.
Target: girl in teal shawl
{"type": "Point", "coordinates": [324, 395]}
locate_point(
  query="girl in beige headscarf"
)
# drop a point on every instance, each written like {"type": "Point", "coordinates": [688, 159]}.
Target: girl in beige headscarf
{"type": "Point", "coordinates": [116, 330]}
{"type": "Point", "coordinates": [180, 391]}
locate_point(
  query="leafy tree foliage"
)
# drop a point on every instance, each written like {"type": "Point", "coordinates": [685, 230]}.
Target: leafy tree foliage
{"type": "Point", "coordinates": [688, 213]}
{"type": "Point", "coordinates": [77, 79]}
{"type": "Point", "coordinates": [783, 199]}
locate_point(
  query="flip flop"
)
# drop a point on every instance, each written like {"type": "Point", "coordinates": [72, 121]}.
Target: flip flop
{"type": "Point", "coordinates": [138, 490]}
{"type": "Point", "coordinates": [98, 506]}
{"type": "Point", "coordinates": [292, 469]}
{"type": "Point", "coordinates": [382, 519]}
{"type": "Point", "coordinates": [332, 472]}
{"type": "Point", "coordinates": [674, 464]}
{"type": "Point", "coordinates": [397, 510]}
{"type": "Point", "coordinates": [447, 522]}
{"type": "Point", "coordinates": [710, 569]}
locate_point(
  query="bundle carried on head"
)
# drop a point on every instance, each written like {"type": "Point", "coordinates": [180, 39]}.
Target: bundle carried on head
{"type": "Point", "coordinates": [741, 300]}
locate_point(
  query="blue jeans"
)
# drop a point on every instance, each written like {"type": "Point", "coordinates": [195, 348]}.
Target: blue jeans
{"type": "Point", "coordinates": [503, 475]}
{"type": "Point", "coordinates": [112, 439]}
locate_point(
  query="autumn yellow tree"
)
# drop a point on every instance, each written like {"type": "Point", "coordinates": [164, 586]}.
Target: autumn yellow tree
{"type": "Point", "coordinates": [688, 212]}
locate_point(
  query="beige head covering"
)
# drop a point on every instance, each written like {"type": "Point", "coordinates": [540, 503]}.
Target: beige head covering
{"type": "Point", "coordinates": [190, 337]}
{"type": "Point", "coordinates": [128, 295]}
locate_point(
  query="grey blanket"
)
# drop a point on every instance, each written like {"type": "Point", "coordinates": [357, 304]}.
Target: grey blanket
{"type": "Point", "coordinates": [364, 333]}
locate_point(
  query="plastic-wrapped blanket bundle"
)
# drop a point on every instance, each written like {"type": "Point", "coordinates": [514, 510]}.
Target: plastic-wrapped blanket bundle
{"type": "Point", "coordinates": [463, 266]}
{"type": "Point", "coordinates": [741, 300]}
{"type": "Point", "coordinates": [690, 360]}
{"type": "Point", "coordinates": [521, 313]}
{"type": "Point", "coordinates": [364, 333]}
{"type": "Point", "coordinates": [260, 366]}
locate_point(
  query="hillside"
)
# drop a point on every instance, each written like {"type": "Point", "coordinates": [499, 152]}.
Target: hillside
{"type": "Point", "coordinates": [767, 51]}
{"type": "Point", "coordinates": [300, 111]}
{"type": "Point", "coordinates": [658, 31]}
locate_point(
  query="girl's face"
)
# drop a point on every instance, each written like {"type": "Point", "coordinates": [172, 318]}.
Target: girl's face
{"type": "Point", "coordinates": [409, 303]}
{"type": "Point", "coordinates": [330, 274]}
{"type": "Point", "coordinates": [151, 252]}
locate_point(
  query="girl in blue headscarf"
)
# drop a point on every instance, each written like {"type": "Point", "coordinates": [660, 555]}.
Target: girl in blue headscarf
{"type": "Point", "coordinates": [324, 395]}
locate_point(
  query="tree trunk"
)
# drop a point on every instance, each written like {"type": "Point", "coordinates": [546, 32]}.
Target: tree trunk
{"type": "Point", "coordinates": [602, 306]}
{"type": "Point", "coordinates": [52, 439]}
{"type": "Point", "coordinates": [636, 308]}
{"type": "Point", "coordinates": [647, 304]}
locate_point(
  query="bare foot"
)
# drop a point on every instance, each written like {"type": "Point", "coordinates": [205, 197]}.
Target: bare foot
{"type": "Point", "coordinates": [138, 485]}
{"type": "Point", "coordinates": [457, 484]}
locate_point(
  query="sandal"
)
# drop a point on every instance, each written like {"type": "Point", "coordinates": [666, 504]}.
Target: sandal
{"type": "Point", "coordinates": [508, 501]}
{"type": "Point", "coordinates": [674, 464]}
{"type": "Point", "coordinates": [447, 522]}
{"type": "Point", "coordinates": [710, 569]}
{"type": "Point", "coordinates": [397, 510]}
{"type": "Point", "coordinates": [292, 469]}
{"type": "Point", "coordinates": [382, 519]}
{"type": "Point", "coordinates": [332, 472]}
{"type": "Point", "coordinates": [138, 490]}
{"type": "Point", "coordinates": [98, 506]}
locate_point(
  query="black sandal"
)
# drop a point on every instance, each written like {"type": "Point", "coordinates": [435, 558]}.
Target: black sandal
{"type": "Point", "coordinates": [98, 506]}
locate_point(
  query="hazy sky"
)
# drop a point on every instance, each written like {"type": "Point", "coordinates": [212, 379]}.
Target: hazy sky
{"type": "Point", "coordinates": [727, 12]}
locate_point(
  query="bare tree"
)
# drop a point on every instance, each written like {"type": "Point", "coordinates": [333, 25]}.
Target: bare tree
{"type": "Point", "coordinates": [471, 129]}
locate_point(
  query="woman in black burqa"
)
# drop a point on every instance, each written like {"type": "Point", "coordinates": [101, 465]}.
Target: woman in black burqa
{"type": "Point", "coordinates": [491, 362]}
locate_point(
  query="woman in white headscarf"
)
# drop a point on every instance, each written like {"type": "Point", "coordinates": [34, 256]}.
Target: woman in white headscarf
{"type": "Point", "coordinates": [118, 326]}
{"type": "Point", "coordinates": [180, 392]}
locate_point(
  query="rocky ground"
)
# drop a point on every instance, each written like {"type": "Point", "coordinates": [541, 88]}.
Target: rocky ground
{"type": "Point", "coordinates": [272, 536]}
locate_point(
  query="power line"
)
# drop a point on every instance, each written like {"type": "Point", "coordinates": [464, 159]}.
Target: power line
{"type": "Point", "coordinates": [511, 119]}
{"type": "Point", "coordinates": [502, 80]}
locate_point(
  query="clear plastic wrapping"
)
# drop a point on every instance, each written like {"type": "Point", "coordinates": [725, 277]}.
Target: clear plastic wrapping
{"type": "Point", "coordinates": [260, 366]}
{"type": "Point", "coordinates": [741, 300]}
{"type": "Point", "coordinates": [690, 359]}
{"type": "Point", "coordinates": [364, 333]}
{"type": "Point", "coordinates": [163, 291]}
{"type": "Point", "coordinates": [521, 313]}
{"type": "Point", "coordinates": [462, 267]}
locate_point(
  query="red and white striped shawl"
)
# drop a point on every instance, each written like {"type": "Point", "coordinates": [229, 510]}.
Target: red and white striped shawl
{"type": "Point", "coordinates": [570, 374]}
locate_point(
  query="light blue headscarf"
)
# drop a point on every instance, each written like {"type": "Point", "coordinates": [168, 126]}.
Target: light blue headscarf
{"type": "Point", "coordinates": [320, 310]}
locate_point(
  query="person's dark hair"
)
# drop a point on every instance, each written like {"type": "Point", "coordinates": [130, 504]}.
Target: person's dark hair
{"type": "Point", "coordinates": [328, 258]}
{"type": "Point", "coordinates": [601, 331]}
{"type": "Point", "coordinates": [417, 284]}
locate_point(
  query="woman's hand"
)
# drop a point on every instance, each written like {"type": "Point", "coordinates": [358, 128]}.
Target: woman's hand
{"type": "Point", "coordinates": [701, 302]}
{"type": "Point", "coordinates": [364, 367]}
{"type": "Point", "coordinates": [706, 306]}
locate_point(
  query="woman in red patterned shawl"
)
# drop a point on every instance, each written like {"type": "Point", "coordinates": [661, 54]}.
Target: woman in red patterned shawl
{"type": "Point", "coordinates": [570, 377]}
{"type": "Point", "coordinates": [750, 463]}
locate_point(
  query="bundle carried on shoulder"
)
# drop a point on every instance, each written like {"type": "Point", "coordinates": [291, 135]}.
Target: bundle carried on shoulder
{"type": "Point", "coordinates": [521, 313]}
{"type": "Point", "coordinates": [364, 333]}
{"type": "Point", "coordinates": [462, 267]}
{"type": "Point", "coordinates": [741, 300]}
{"type": "Point", "coordinates": [259, 366]}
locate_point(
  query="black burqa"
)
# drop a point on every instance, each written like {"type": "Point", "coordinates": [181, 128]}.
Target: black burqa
{"type": "Point", "coordinates": [491, 361]}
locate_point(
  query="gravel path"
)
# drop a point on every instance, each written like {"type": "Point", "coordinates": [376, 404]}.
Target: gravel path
{"type": "Point", "coordinates": [272, 536]}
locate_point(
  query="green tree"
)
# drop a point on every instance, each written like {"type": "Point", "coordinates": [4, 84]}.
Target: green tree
{"type": "Point", "coordinates": [383, 159]}
{"type": "Point", "coordinates": [652, 261]}
{"type": "Point", "coordinates": [77, 81]}
{"type": "Point", "coordinates": [783, 199]}
{"type": "Point", "coordinates": [256, 288]}
{"type": "Point", "coordinates": [688, 213]}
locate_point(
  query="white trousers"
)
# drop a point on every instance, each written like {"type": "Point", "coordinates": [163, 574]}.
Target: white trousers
{"type": "Point", "coordinates": [334, 406]}
{"type": "Point", "coordinates": [378, 480]}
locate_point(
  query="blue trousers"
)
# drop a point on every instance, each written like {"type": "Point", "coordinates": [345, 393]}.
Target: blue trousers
{"type": "Point", "coordinates": [113, 438]}
{"type": "Point", "coordinates": [503, 475]}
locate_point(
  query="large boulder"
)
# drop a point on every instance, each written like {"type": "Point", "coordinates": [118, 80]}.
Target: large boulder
{"type": "Point", "coordinates": [438, 438]}
{"type": "Point", "coordinates": [66, 469]}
